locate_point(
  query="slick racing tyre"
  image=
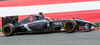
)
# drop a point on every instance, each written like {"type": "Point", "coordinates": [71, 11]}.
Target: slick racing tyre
{"type": "Point", "coordinates": [8, 29]}
{"type": "Point", "coordinates": [86, 27]}
{"type": "Point", "coordinates": [70, 26]}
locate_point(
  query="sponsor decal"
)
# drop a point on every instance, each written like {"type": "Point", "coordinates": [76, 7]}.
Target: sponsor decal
{"type": "Point", "coordinates": [58, 23]}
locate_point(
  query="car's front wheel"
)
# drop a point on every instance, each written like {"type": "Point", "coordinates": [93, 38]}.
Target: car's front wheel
{"type": "Point", "coordinates": [70, 26]}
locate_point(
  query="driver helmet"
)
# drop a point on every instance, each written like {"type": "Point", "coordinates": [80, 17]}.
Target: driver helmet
{"type": "Point", "coordinates": [47, 18]}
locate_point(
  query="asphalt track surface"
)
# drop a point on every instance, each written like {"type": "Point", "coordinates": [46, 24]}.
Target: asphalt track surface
{"type": "Point", "coordinates": [59, 38]}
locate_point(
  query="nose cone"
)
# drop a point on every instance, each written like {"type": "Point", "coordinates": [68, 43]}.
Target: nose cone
{"type": "Point", "coordinates": [96, 25]}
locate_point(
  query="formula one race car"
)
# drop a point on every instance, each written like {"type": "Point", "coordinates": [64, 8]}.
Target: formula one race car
{"type": "Point", "coordinates": [37, 23]}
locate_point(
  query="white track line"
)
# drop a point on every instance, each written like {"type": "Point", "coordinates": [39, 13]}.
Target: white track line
{"type": "Point", "coordinates": [52, 8]}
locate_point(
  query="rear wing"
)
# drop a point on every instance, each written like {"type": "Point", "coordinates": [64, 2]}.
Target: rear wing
{"type": "Point", "coordinates": [9, 19]}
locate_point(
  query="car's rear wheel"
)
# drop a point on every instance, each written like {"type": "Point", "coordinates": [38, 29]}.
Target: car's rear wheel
{"type": "Point", "coordinates": [8, 29]}
{"type": "Point", "coordinates": [70, 26]}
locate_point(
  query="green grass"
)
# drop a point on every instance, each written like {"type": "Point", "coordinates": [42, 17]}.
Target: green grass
{"type": "Point", "coordinates": [98, 23]}
{"type": "Point", "coordinates": [0, 29]}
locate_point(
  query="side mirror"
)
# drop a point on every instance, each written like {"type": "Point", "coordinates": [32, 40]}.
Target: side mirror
{"type": "Point", "coordinates": [57, 18]}
{"type": "Point", "coordinates": [52, 19]}
{"type": "Point", "coordinates": [73, 18]}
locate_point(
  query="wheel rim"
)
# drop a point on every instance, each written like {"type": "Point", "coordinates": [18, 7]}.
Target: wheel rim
{"type": "Point", "coordinates": [7, 30]}
{"type": "Point", "coordinates": [69, 26]}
